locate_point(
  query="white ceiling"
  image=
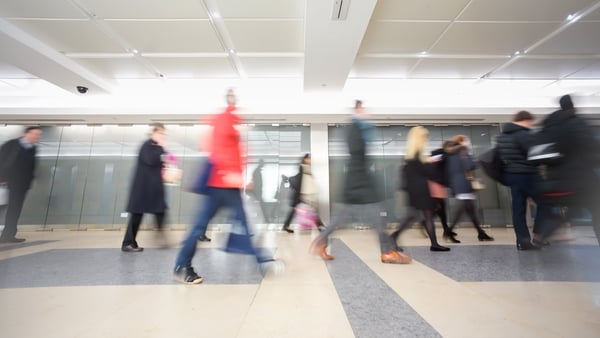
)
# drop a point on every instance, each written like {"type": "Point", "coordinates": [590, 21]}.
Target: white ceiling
{"type": "Point", "coordinates": [289, 61]}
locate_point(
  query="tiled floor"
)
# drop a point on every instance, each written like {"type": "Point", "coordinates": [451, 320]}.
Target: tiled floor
{"type": "Point", "coordinates": [79, 284]}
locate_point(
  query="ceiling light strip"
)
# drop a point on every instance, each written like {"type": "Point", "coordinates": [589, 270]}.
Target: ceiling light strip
{"type": "Point", "coordinates": [222, 34]}
{"type": "Point", "coordinates": [552, 34]}
{"type": "Point", "coordinates": [109, 32]}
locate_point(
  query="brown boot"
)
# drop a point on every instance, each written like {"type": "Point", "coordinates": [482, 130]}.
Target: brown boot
{"type": "Point", "coordinates": [319, 247]}
{"type": "Point", "coordinates": [395, 257]}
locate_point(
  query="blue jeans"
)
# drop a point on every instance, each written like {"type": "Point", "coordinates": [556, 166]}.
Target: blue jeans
{"type": "Point", "coordinates": [216, 198]}
{"type": "Point", "coordinates": [522, 186]}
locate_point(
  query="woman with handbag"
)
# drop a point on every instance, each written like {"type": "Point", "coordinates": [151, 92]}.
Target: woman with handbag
{"type": "Point", "coordinates": [417, 172]}
{"type": "Point", "coordinates": [459, 169]}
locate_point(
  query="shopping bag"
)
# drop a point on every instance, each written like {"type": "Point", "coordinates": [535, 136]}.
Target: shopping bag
{"type": "Point", "coordinates": [306, 216]}
{"type": "Point", "coordinates": [200, 186]}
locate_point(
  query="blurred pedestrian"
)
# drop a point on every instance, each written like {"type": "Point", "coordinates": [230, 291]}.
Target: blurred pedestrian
{"type": "Point", "coordinates": [147, 191]}
{"type": "Point", "coordinates": [360, 189]}
{"type": "Point", "coordinates": [519, 174]}
{"type": "Point", "coordinates": [459, 169]}
{"type": "Point", "coordinates": [569, 153]}
{"type": "Point", "coordinates": [417, 173]}
{"type": "Point", "coordinates": [303, 191]}
{"type": "Point", "coordinates": [224, 189]}
{"type": "Point", "coordinates": [17, 171]}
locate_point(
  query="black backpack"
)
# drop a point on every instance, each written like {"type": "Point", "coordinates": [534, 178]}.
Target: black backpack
{"type": "Point", "coordinates": [492, 165]}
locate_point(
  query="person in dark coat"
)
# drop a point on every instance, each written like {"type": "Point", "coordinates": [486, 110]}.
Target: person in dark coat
{"type": "Point", "coordinates": [17, 168]}
{"type": "Point", "coordinates": [417, 171]}
{"type": "Point", "coordinates": [519, 174]}
{"type": "Point", "coordinates": [459, 163]}
{"type": "Point", "coordinates": [569, 180]}
{"type": "Point", "coordinates": [147, 191]}
{"type": "Point", "coordinates": [360, 189]}
{"type": "Point", "coordinates": [257, 190]}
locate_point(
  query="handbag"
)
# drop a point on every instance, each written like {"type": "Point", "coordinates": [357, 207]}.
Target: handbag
{"type": "Point", "coordinates": [306, 216]}
{"type": "Point", "coordinates": [437, 190]}
{"type": "Point", "coordinates": [201, 184]}
{"type": "Point", "coordinates": [3, 194]}
{"type": "Point", "coordinates": [476, 183]}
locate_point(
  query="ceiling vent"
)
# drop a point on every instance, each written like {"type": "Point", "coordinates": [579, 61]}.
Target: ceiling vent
{"type": "Point", "coordinates": [340, 10]}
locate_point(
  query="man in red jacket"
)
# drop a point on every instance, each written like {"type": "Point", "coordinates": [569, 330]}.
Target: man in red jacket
{"type": "Point", "coordinates": [224, 190]}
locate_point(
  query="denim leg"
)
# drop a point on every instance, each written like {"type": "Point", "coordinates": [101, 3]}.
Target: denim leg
{"type": "Point", "coordinates": [207, 212]}
{"type": "Point", "coordinates": [385, 241]}
{"type": "Point", "coordinates": [233, 199]}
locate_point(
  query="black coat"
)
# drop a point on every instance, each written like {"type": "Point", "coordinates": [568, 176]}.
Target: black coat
{"type": "Point", "coordinates": [415, 175]}
{"type": "Point", "coordinates": [457, 161]}
{"type": "Point", "coordinates": [512, 146]}
{"type": "Point", "coordinates": [574, 171]}
{"type": "Point", "coordinates": [17, 165]}
{"type": "Point", "coordinates": [295, 188]}
{"type": "Point", "coordinates": [360, 185]}
{"type": "Point", "coordinates": [148, 191]}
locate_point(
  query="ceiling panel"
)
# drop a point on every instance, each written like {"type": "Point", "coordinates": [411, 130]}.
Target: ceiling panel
{"type": "Point", "coordinates": [168, 36]}
{"type": "Point", "coordinates": [116, 68]}
{"type": "Point", "coordinates": [8, 71]}
{"type": "Point", "coordinates": [520, 10]}
{"type": "Point", "coordinates": [541, 69]}
{"type": "Point", "coordinates": [579, 38]}
{"type": "Point", "coordinates": [39, 9]}
{"type": "Point", "coordinates": [187, 68]}
{"type": "Point", "coordinates": [454, 68]}
{"type": "Point", "coordinates": [381, 67]}
{"type": "Point", "coordinates": [417, 9]}
{"type": "Point", "coordinates": [400, 37]}
{"type": "Point", "coordinates": [267, 36]}
{"type": "Point", "coordinates": [146, 9]}
{"type": "Point", "coordinates": [589, 72]}
{"type": "Point", "coordinates": [491, 38]}
{"type": "Point", "coordinates": [72, 36]}
{"type": "Point", "coordinates": [261, 8]}
{"type": "Point", "coordinates": [273, 67]}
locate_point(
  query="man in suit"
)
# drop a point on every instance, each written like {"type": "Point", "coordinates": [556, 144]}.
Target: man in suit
{"type": "Point", "coordinates": [17, 167]}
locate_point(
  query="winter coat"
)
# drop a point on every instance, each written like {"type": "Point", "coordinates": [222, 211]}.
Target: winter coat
{"type": "Point", "coordinates": [360, 185]}
{"type": "Point", "coordinates": [295, 186]}
{"type": "Point", "coordinates": [17, 164]}
{"type": "Point", "coordinates": [225, 149]}
{"type": "Point", "coordinates": [415, 174]}
{"type": "Point", "coordinates": [457, 161]}
{"type": "Point", "coordinates": [512, 146]}
{"type": "Point", "coordinates": [574, 171]}
{"type": "Point", "coordinates": [147, 191]}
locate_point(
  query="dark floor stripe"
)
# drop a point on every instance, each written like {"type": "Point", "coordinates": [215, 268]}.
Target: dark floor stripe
{"type": "Point", "coordinates": [504, 263]}
{"type": "Point", "coordinates": [372, 307]}
{"type": "Point", "coordinates": [75, 267]}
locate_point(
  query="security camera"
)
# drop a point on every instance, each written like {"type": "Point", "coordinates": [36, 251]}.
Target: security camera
{"type": "Point", "coordinates": [82, 89]}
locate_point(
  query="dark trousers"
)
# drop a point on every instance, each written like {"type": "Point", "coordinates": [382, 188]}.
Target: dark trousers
{"type": "Point", "coordinates": [134, 225]}
{"type": "Point", "coordinates": [522, 186]}
{"type": "Point", "coordinates": [16, 199]}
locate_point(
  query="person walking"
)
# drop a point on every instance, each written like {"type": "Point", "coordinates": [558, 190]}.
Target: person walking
{"type": "Point", "coordinates": [459, 164]}
{"type": "Point", "coordinates": [520, 174]}
{"type": "Point", "coordinates": [298, 183]}
{"type": "Point", "coordinates": [417, 173]}
{"type": "Point", "coordinates": [224, 189]}
{"type": "Point", "coordinates": [147, 191]}
{"type": "Point", "coordinates": [17, 171]}
{"type": "Point", "coordinates": [360, 190]}
{"type": "Point", "coordinates": [569, 178]}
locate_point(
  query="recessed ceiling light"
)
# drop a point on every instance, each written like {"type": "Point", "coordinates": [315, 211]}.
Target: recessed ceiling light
{"type": "Point", "coordinates": [215, 15]}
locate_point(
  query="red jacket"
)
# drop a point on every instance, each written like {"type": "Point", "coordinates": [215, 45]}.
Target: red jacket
{"type": "Point", "coordinates": [225, 150]}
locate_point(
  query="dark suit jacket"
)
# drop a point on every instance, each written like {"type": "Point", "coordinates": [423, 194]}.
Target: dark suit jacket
{"type": "Point", "coordinates": [17, 164]}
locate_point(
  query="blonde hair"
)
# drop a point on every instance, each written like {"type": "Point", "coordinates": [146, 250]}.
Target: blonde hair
{"type": "Point", "coordinates": [416, 142]}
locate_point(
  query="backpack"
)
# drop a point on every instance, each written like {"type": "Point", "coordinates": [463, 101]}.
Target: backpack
{"type": "Point", "coordinates": [492, 165]}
